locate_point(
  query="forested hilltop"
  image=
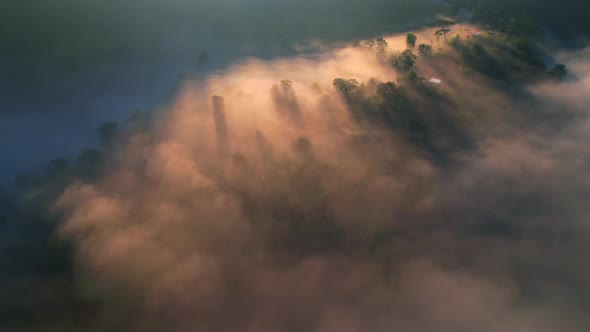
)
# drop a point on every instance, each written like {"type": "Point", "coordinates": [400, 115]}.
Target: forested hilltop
{"type": "Point", "coordinates": [428, 181]}
{"type": "Point", "coordinates": [565, 21]}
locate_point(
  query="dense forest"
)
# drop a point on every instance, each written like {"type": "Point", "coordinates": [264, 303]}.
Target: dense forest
{"type": "Point", "coordinates": [564, 20]}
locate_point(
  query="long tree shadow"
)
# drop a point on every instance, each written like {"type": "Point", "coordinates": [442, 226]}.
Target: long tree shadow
{"type": "Point", "coordinates": [285, 102]}
{"type": "Point", "coordinates": [221, 130]}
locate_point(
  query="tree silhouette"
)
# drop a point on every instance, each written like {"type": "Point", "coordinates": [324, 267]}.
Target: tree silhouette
{"type": "Point", "coordinates": [381, 46]}
{"type": "Point", "coordinates": [220, 124]}
{"type": "Point", "coordinates": [425, 49]}
{"type": "Point", "coordinates": [390, 93]}
{"type": "Point", "coordinates": [443, 28]}
{"type": "Point", "coordinates": [285, 101]}
{"type": "Point", "coordinates": [404, 61]}
{"type": "Point", "coordinates": [411, 40]}
{"type": "Point", "coordinates": [344, 86]}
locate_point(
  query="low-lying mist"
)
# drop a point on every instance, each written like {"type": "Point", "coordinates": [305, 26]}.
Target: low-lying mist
{"type": "Point", "coordinates": [306, 194]}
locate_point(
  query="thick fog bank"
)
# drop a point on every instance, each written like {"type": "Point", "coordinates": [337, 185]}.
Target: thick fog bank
{"type": "Point", "coordinates": [274, 206]}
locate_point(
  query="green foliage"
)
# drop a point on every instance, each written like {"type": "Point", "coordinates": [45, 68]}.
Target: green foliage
{"type": "Point", "coordinates": [414, 79]}
{"type": "Point", "coordinates": [524, 49]}
{"type": "Point", "coordinates": [442, 32]}
{"type": "Point", "coordinates": [403, 61]}
{"type": "Point", "coordinates": [390, 93]}
{"type": "Point", "coordinates": [346, 86]}
{"type": "Point", "coordinates": [500, 56]}
{"type": "Point", "coordinates": [379, 45]}
{"type": "Point", "coordinates": [443, 23]}
{"type": "Point", "coordinates": [443, 28]}
{"type": "Point", "coordinates": [476, 58]}
{"type": "Point", "coordinates": [397, 108]}
{"type": "Point", "coordinates": [425, 49]}
{"type": "Point", "coordinates": [411, 40]}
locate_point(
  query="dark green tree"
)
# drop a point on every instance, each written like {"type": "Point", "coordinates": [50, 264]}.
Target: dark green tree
{"type": "Point", "coordinates": [390, 93]}
{"type": "Point", "coordinates": [425, 49]}
{"type": "Point", "coordinates": [404, 61]}
{"type": "Point", "coordinates": [345, 86]}
{"type": "Point", "coordinates": [411, 40]}
{"type": "Point", "coordinates": [443, 27]}
{"type": "Point", "coordinates": [381, 46]}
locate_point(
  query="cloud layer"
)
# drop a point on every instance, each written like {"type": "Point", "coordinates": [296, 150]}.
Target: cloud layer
{"type": "Point", "coordinates": [272, 208]}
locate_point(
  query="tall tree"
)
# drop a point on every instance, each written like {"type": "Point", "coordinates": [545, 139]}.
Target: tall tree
{"type": "Point", "coordinates": [344, 86]}
{"type": "Point", "coordinates": [443, 28]}
{"type": "Point", "coordinates": [411, 40]}
{"type": "Point", "coordinates": [404, 61]}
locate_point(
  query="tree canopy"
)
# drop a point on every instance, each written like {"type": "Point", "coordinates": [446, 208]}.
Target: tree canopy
{"type": "Point", "coordinates": [411, 40]}
{"type": "Point", "coordinates": [403, 61]}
